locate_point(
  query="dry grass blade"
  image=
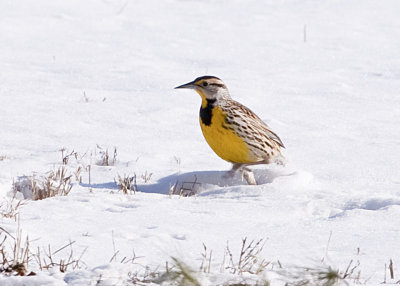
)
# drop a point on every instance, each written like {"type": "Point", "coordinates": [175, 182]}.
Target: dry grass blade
{"type": "Point", "coordinates": [313, 276]}
{"type": "Point", "coordinates": [206, 262]}
{"type": "Point", "coordinates": [322, 275]}
{"type": "Point", "coordinates": [187, 189]}
{"type": "Point", "coordinates": [127, 184]}
{"type": "Point", "coordinates": [249, 259]}
{"type": "Point", "coordinates": [105, 158]}
{"type": "Point", "coordinates": [146, 177]}
{"type": "Point", "coordinates": [149, 277]}
{"type": "Point", "coordinates": [14, 262]}
{"type": "Point", "coordinates": [55, 183]}
{"type": "Point", "coordinates": [183, 275]}
{"type": "Point", "coordinates": [391, 271]}
{"type": "Point", "coordinates": [49, 260]}
{"type": "Point", "coordinates": [9, 208]}
{"type": "Point", "coordinates": [65, 158]}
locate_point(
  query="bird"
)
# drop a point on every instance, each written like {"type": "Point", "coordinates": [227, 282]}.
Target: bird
{"type": "Point", "coordinates": [234, 132]}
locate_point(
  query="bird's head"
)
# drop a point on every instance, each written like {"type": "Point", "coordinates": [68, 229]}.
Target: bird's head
{"type": "Point", "coordinates": [209, 87]}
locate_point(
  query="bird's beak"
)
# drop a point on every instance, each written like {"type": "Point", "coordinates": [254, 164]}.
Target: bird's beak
{"type": "Point", "coordinates": [190, 85]}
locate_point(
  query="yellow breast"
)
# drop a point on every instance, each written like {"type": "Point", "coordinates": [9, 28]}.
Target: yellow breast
{"type": "Point", "coordinates": [224, 141]}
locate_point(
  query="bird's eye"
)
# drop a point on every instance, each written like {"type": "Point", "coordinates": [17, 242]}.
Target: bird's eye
{"type": "Point", "coordinates": [205, 83]}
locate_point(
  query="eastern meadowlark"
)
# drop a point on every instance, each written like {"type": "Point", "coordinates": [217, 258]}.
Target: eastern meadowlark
{"type": "Point", "coordinates": [233, 131]}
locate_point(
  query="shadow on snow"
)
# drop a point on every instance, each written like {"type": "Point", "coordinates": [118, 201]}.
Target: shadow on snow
{"type": "Point", "coordinates": [195, 182]}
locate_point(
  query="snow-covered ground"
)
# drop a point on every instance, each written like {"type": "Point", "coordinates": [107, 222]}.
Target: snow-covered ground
{"type": "Point", "coordinates": [325, 75]}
